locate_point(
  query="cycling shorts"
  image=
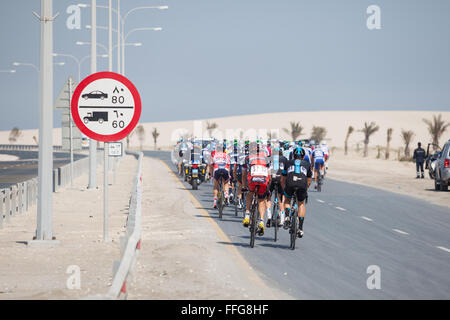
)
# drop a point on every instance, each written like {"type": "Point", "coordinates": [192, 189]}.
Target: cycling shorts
{"type": "Point", "coordinates": [276, 185]}
{"type": "Point", "coordinates": [300, 192]}
{"type": "Point", "coordinates": [262, 182]}
{"type": "Point", "coordinates": [221, 174]}
{"type": "Point", "coordinates": [318, 163]}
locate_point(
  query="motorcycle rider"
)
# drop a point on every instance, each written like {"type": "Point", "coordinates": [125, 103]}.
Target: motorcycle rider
{"type": "Point", "coordinates": [419, 156]}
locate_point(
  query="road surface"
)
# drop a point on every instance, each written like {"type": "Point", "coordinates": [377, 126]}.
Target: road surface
{"type": "Point", "coordinates": [348, 228]}
{"type": "Point", "coordinates": [26, 167]}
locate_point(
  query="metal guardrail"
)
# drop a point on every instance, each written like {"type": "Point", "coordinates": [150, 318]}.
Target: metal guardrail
{"type": "Point", "coordinates": [130, 244]}
{"type": "Point", "coordinates": [24, 147]}
{"type": "Point", "coordinates": [19, 197]}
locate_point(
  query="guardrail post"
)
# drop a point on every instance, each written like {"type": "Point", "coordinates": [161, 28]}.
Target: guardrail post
{"type": "Point", "coordinates": [1, 208]}
{"type": "Point", "coordinates": [20, 198]}
{"type": "Point", "coordinates": [14, 200]}
{"type": "Point", "coordinates": [8, 205]}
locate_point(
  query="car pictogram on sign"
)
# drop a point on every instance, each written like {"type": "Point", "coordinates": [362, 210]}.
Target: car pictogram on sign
{"type": "Point", "coordinates": [95, 95]}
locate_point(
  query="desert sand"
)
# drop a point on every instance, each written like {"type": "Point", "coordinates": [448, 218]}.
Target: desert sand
{"type": "Point", "coordinates": [390, 175]}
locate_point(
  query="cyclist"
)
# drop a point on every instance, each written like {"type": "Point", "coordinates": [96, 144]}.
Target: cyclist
{"type": "Point", "coordinates": [324, 147]}
{"type": "Point", "coordinates": [296, 178]}
{"type": "Point", "coordinates": [220, 169]}
{"type": "Point", "coordinates": [257, 171]}
{"type": "Point", "coordinates": [234, 155]}
{"type": "Point", "coordinates": [276, 167]}
{"type": "Point", "coordinates": [318, 161]}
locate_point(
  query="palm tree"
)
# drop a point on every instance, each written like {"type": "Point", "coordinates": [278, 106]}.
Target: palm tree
{"type": "Point", "coordinates": [210, 126]}
{"type": "Point", "coordinates": [368, 130]}
{"type": "Point", "coordinates": [407, 137]}
{"type": "Point", "coordinates": [155, 135]}
{"type": "Point", "coordinates": [436, 127]}
{"type": "Point", "coordinates": [388, 144]}
{"type": "Point", "coordinates": [14, 135]}
{"type": "Point", "coordinates": [318, 133]}
{"type": "Point", "coordinates": [349, 132]}
{"type": "Point", "coordinates": [295, 131]}
{"type": "Point", "coordinates": [141, 134]}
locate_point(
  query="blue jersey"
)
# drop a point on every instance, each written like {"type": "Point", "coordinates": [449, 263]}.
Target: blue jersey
{"type": "Point", "coordinates": [318, 154]}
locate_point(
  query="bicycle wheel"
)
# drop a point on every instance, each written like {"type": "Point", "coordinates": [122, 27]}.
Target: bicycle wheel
{"type": "Point", "coordinates": [293, 230]}
{"type": "Point", "coordinates": [319, 181]}
{"type": "Point", "coordinates": [220, 199]}
{"type": "Point", "coordinates": [275, 215]}
{"type": "Point", "coordinates": [235, 199]}
{"type": "Point", "coordinates": [253, 225]}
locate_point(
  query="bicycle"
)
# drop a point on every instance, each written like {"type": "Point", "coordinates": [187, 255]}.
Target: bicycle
{"type": "Point", "coordinates": [319, 181]}
{"type": "Point", "coordinates": [235, 198]}
{"type": "Point", "coordinates": [254, 218]}
{"type": "Point", "coordinates": [220, 198]}
{"type": "Point", "coordinates": [275, 214]}
{"type": "Point", "coordinates": [293, 229]}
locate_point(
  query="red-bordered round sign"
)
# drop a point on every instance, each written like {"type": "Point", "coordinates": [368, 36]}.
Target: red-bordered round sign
{"type": "Point", "coordinates": [106, 106]}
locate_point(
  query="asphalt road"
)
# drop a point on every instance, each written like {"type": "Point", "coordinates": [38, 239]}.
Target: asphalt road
{"type": "Point", "coordinates": [349, 227]}
{"type": "Point", "coordinates": [26, 167]}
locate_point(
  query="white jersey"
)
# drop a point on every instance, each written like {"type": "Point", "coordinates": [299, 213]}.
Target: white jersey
{"type": "Point", "coordinates": [324, 148]}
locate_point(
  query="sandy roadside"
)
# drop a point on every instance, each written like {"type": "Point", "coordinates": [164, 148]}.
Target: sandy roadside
{"type": "Point", "coordinates": [40, 273]}
{"type": "Point", "coordinates": [185, 254]}
{"type": "Point", "coordinates": [389, 175]}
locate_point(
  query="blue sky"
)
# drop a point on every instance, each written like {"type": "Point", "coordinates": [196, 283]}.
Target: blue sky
{"type": "Point", "coordinates": [231, 57]}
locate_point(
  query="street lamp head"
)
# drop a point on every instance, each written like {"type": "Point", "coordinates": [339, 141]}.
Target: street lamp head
{"type": "Point", "coordinates": [13, 71]}
{"type": "Point", "coordinates": [79, 43]}
{"type": "Point", "coordinates": [55, 54]}
{"type": "Point", "coordinates": [104, 56]}
{"type": "Point", "coordinates": [163, 7]}
{"type": "Point", "coordinates": [82, 5]}
{"type": "Point", "coordinates": [157, 29]}
{"type": "Point", "coordinates": [16, 64]}
{"type": "Point", "coordinates": [60, 63]}
{"type": "Point", "coordinates": [88, 26]}
{"type": "Point", "coordinates": [137, 44]}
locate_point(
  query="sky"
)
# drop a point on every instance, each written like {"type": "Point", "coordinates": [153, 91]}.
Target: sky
{"type": "Point", "coordinates": [218, 58]}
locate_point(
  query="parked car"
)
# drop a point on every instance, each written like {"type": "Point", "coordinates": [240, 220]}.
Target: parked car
{"type": "Point", "coordinates": [442, 170]}
{"type": "Point", "coordinates": [95, 95]}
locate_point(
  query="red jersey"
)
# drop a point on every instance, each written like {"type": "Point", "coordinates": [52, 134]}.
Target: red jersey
{"type": "Point", "coordinates": [220, 160]}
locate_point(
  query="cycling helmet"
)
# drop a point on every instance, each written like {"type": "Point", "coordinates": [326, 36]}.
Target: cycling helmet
{"type": "Point", "coordinates": [299, 153]}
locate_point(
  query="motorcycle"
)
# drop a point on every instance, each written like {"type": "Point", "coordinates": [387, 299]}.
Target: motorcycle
{"type": "Point", "coordinates": [195, 173]}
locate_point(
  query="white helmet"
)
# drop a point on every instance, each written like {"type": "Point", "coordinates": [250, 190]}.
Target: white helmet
{"type": "Point", "coordinates": [323, 143]}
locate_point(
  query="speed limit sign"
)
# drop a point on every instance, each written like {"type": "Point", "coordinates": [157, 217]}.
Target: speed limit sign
{"type": "Point", "coordinates": [106, 106]}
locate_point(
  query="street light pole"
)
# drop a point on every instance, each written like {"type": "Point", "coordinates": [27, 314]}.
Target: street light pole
{"type": "Point", "coordinates": [110, 37]}
{"type": "Point", "coordinates": [45, 167]}
{"type": "Point", "coordinates": [118, 35]}
{"type": "Point", "coordinates": [92, 143]}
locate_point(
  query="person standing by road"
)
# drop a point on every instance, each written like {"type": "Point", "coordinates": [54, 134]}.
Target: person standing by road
{"type": "Point", "coordinates": [419, 156]}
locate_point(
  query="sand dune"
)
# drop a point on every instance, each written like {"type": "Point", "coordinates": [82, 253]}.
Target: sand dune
{"type": "Point", "coordinates": [336, 123]}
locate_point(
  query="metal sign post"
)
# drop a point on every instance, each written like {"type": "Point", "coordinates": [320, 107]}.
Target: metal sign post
{"type": "Point", "coordinates": [105, 193]}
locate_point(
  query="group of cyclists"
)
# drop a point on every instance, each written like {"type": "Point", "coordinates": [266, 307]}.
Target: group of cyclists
{"type": "Point", "coordinates": [246, 169]}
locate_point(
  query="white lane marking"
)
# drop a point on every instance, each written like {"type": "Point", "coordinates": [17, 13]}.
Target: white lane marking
{"type": "Point", "coordinates": [400, 231]}
{"type": "Point", "coordinates": [365, 218]}
{"type": "Point", "coordinates": [443, 248]}
{"type": "Point", "coordinates": [339, 208]}
{"type": "Point", "coordinates": [321, 201]}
